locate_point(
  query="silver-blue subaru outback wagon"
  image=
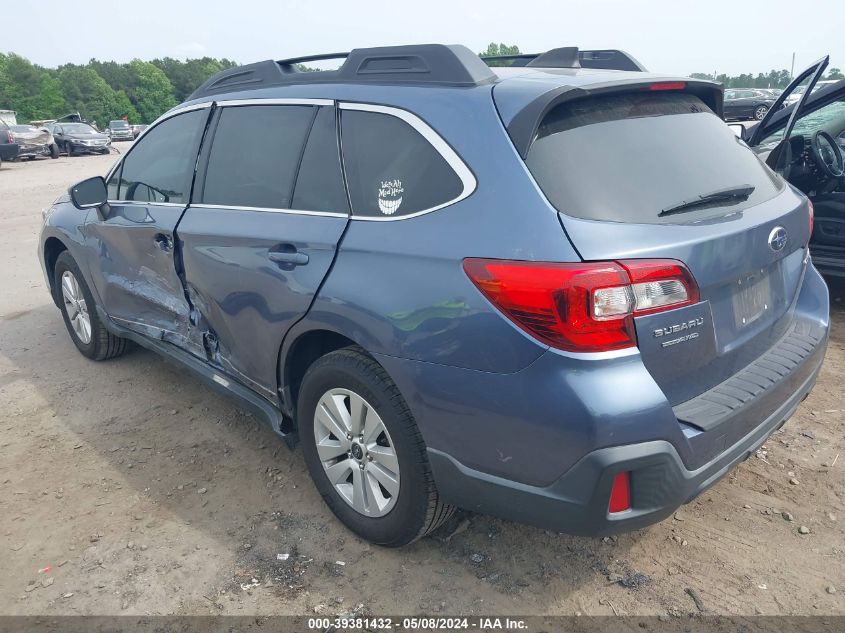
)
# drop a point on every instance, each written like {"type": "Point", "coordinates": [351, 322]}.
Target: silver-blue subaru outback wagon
{"type": "Point", "coordinates": [560, 291]}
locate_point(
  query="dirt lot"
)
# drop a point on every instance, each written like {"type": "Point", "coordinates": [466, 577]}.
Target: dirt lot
{"type": "Point", "coordinates": [141, 491]}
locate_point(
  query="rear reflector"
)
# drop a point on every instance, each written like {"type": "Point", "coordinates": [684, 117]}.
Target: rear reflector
{"type": "Point", "coordinates": [620, 493]}
{"type": "Point", "coordinates": [583, 307]}
{"type": "Point", "coordinates": [668, 85]}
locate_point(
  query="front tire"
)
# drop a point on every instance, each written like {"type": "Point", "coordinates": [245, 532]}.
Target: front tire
{"type": "Point", "coordinates": [365, 452]}
{"type": "Point", "coordinates": [79, 312]}
{"type": "Point", "coordinates": [54, 151]}
{"type": "Point", "coordinates": [760, 112]}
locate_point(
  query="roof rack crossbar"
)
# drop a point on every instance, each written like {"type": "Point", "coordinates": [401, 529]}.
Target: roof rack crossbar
{"type": "Point", "coordinates": [311, 58]}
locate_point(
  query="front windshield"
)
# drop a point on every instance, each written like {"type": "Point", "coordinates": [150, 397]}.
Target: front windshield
{"type": "Point", "coordinates": [78, 128]}
{"type": "Point", "coordinates": [118, 124]}
{"type": "Point", "coordinates": [830, 118]}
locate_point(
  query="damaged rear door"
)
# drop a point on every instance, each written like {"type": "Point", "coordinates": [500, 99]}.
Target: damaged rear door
{"type": "Point", "coordinates": [137, 280]}
{"type": "Point", "coordinates": [268, 210]}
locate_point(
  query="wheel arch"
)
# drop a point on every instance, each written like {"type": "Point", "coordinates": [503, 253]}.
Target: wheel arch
{"type": "Point", "coordinates": [53, 247]}
{"type": "Point", "coordinates": [299, 351]}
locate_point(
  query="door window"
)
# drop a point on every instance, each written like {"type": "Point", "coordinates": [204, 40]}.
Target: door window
{"type": "Point", "coordinates": [319, 185]}
{"type": "Point", "coordinates": [391, 169]}
{"type": "Point", "coordinates": [255, 155]}
{"type": "Point", "coordinates": [160, 168]}
{"type": "Point", "coordinates": [830, 118]}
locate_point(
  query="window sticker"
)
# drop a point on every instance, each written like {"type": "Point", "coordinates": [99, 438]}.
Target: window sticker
{"type": "Point", "coordinates": [390, 196]}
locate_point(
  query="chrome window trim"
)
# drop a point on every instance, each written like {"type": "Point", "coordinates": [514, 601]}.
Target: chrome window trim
{"type": "Point", "coordinates": [435, 140]}
{"type": "Point", "coordinates": [141, 203]}
{"type": "Point", "coordinates": [280, 101]}
{"type": "Point", "coordinates": [235, 207]}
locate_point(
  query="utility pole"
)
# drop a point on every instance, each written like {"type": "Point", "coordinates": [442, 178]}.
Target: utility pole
{"type": "Point", "coordinates": [792, 69]}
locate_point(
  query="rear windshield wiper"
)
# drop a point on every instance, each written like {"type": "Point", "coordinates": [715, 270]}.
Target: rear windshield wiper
{"type": "Point", "coordinates": [740, 192]}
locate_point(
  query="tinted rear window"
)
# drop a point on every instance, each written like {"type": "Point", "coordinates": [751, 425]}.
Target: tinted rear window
{"type": "Point", "coordinates": [391, 169]}
{"type": "Point", "coordinates": [625, 158]}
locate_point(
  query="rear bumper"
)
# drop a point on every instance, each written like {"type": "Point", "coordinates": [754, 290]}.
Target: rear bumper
{"type": "Point", "coordinates": [577, 503]}
{"type": "Point", "coordinates": [34, 150]}
{"type": "Point", "coordinates": [543, 445]}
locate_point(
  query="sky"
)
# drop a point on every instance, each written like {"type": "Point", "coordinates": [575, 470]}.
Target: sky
{"type": "Point", "coordinates": [667, 36]}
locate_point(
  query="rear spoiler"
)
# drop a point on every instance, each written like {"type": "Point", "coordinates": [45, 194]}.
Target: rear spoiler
{"type": "Point", "coordinates": [523, 127]}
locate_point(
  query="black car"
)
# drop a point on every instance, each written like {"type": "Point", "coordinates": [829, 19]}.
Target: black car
{"type": "Point", "coordinates": [79, 138]}
{"type": "Point", "coordinates": [8, 148]}
{"type": "Point", "coordinates": [743, 103]}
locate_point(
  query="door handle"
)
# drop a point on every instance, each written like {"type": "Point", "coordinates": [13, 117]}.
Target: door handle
{"type": "Point", "coordinates": [295, 258]}
{"type": "Point", "coordinates": [163, 241]}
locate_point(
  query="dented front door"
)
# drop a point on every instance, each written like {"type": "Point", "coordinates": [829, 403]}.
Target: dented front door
{"type": "Point", "coordinates": [138, 278]}
{"type": "Point", "coordinates": [140, 287]}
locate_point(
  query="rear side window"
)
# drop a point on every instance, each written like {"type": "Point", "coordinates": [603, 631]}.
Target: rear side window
{"type": "Point", "coordinates": [391, 169]}
{"type": "Point", "coordinates": [319, 184]}
{"type": "Point", "coordinates": [255, 155]}
{"type": "Point", "coordinates": [160, 168]}
{"type": "Point", "coordinates": [626, 158]}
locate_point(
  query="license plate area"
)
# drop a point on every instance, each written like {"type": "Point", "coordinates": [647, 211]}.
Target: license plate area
{"type": "Point", "coordinates": [751, 299]}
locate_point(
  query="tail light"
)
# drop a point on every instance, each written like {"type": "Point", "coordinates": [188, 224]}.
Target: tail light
{"type": "Point", "coordinates": [583, 307]}
{"type": "Point", "coordinates": [11, 137]}
{"type": "Point", "coordinates": [812, 215]}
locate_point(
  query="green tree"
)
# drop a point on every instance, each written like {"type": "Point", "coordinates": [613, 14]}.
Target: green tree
{"type": "Point", "coordinates": [834, 73]}
{"type": "Point", "coordinates": [88, 93]}
{"type": "Point", "coordinates": [118, 76]}
{"type": "Point", "coordinates": [494, 50]}
{"type": "Point", "coordinates": [28, 89]}
{"type": "Point", "coordinates": [151, 93]}
{"type": "Point", "coordinates": [187, 76]}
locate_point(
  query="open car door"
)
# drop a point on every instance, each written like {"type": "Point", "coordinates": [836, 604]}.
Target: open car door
{"type": "Point", "coordinates": [780, 157]}
{"type": "Point", "coordinates": [806, 144]}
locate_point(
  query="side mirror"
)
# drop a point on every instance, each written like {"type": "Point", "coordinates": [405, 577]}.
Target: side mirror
{"type": "Point", "coordinates": [738, 129]}
{"type": "Point", "coordinates": [89, 193]}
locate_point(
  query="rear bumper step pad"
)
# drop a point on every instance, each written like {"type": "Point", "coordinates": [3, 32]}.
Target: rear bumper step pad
{"type": "Point", "coordinates": [767, 373]}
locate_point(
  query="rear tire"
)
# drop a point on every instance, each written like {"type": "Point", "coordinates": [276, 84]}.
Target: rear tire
{"type": "Point", "coordinates": [79, 312]}
{"type": "Point", "coordinates": [347, 376]}
{"type": "Point", "coordinates": [54, 151]}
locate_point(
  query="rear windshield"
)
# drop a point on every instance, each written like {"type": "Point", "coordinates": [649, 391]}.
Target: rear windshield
{"type": "Point", "coordinates": [626, 158]}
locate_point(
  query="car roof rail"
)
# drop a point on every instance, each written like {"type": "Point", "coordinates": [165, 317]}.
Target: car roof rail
{"type": "Point", "coordinates": [445, 65]}
{"type": "Point", "coordinates": [571, 57]}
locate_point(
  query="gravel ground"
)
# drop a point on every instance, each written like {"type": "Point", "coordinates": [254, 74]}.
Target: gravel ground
{"type": "Point", "coordinates": [128, 487]}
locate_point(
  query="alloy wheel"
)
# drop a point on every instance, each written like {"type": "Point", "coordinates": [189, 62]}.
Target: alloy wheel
{"type": "Point", "coordinates": [356, 452]}
{"type": "Point", "coordinates": [76, 307]}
